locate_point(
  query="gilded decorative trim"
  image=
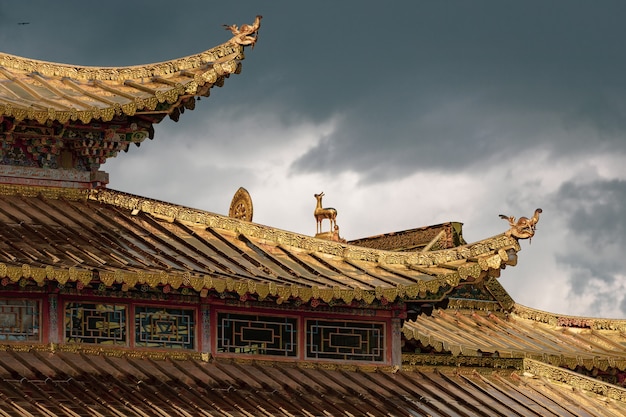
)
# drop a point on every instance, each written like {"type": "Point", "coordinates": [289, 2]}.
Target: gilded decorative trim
{"type": "Point", "coordinates": [161, 355]}
{"type": "Point", "coordinates": [568, 321]}
{"type": "Point", "coordinates": [327, 366]}
{"type": "Point", "coordinates": [465, 304]}
{"type": "Point", "coordinates": [411, 361]}
{"type": "Point", "coordinates": [74, 194]}
{"type": "Point", "coordinates": [574, 379]}
{"type": "Point", "coordinates": [200, 282]}
{"type": "Point", "coordinates": [499, 293]}
{"type": "Point", "coordinates": [104, 351]}
{"type": "Point", "coordinates": [216, 55]}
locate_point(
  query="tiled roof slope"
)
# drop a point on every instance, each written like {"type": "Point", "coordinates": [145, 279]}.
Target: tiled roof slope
{"type": "Point", "coordinates": [47, 383]}
{"type": "Point", "coordinates": [119, 238]}
{"type": "Point", "coordinates": [46, 91]}
{"type": "Point", "coordinates": [475, 333]}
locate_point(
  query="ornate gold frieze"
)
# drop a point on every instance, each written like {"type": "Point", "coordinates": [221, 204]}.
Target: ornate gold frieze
{"type": "Point", "coordinates": [50, 69]}
{"type": "Point", "coordinates": [499, 293]}
{"type": "Point", "coordinates": [576, 380]}
{"type": "Point", "coordinates": [465, 304]}
{"type": "Point", "coordinates": [74, 194]}
{"type": "Point", "coordinates": [410, 360]}
{"type": "Point", "coordinates": [568, 321]}
{"type": "Point", "coordinates": [102, 351]}
{"type": "Point", "coordinates": [221, 285]}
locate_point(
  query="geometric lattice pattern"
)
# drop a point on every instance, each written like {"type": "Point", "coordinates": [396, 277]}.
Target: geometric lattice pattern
{"type": "Point", "coordinates": [257, 334]}
{"type": "Point", "coordinates": [345, 340]}
{"type": "Point", "coordinates": [164, 327]}
{"type": "Point", "coordinates": [19, 320]}
{"type": "Point", "coordinates": [96, 323]}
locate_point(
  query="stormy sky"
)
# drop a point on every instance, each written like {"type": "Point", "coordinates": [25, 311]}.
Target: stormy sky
{"type": "Point", "coordinates": [405, 113]}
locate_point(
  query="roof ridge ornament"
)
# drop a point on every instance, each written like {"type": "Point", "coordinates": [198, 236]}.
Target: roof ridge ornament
{"type": "Point", "coordinates": [246, 34]}
{"type": "Point", "coordinates": [523, 228]}
{"type": "Point", "coordinates": [241, 205]}
{"type": "Point", "coordinates": [329, 213]}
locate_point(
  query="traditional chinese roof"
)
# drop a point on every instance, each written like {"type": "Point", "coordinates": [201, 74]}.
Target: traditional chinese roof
{"type": "Point", "coordinates": [110, 238]}
{"type": "Point", "coordinates": [76, 383]}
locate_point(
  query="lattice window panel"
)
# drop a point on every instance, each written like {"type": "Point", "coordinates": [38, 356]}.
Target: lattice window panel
{"type": "Point", "coordinates": [345, 340]}
{"type": "Point", "coordinates": [19, 320]}
{"type": "Point", "coordinates": [96, 323]}
{"type": "Point", "coordinates": [160, 327]}
{"type": "Point", "coordinates": [257, 334]}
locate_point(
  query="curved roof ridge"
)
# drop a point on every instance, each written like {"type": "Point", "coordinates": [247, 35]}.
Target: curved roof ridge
{"type": "Point", "coordinates": [485, 254]}
{"type": "Point", "coordinates": [86, 72]}
{"type": "Point", "coordinates": [565, 320]}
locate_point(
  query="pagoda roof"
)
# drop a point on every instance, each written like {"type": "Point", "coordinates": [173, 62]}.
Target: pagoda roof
{"type": "Point", "coordinates": [70, 235]}
{"type": "Point", "coordinates": [45, 381]}
{"type": "Point", "coordinates": [52, 92]}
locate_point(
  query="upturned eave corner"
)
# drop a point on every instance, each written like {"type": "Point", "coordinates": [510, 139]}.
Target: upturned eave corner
{"type": "Point", "coordinates": [82, 93]}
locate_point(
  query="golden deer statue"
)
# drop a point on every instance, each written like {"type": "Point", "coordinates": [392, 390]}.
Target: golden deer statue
{"type": "Point", "coordinates": [324, 213]}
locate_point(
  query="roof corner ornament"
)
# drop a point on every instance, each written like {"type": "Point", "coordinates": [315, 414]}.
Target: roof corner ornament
{"type": "Point", "coordinates": [329, 213]}
{"type": "Point", "coordinates": [246, 34]}
{"type": "Point", "coordinates": [523, 228]}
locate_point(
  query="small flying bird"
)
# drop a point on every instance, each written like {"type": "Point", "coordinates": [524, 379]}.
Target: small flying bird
{"type": "Point", "coordinates": [23, 23]}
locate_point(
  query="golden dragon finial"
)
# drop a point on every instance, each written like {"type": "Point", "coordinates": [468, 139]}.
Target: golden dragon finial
{"type": "Point", "coordinates": [246, 34]}
{"type": "Point", "coordinates": [523, 228]}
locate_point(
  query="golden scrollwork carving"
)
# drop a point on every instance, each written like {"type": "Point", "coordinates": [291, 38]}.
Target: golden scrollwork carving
{"type": "Point", "coordinates": [574, 379]}
{"type": "Point", "coordinates": [54, 193]}
{"type": "Point", "coordinates": [499, 293]}
{"type": "Point", "coordinates": [51, 69]}
{"type": "Point", "coordinates": [567, 321]}
{"type": "Point", "coordinates": [411, 361]}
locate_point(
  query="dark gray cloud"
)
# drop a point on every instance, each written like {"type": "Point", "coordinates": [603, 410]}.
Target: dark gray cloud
{"type": "Point", "coordinates": [447, 84]}
{"type": "Point", "coordinates": [595, 211]}
{"type": "Point", "coordinates": [595, 215]}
